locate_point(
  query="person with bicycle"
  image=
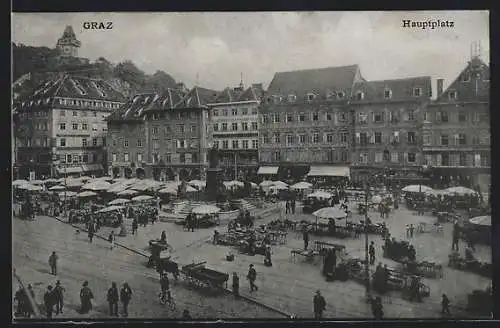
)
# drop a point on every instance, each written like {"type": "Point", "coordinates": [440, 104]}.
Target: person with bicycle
{"type": "Point", "coordinates": [165, 288]}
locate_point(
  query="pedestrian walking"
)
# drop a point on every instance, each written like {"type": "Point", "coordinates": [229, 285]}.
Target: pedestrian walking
{"type": "Point", "coordinates": [59, 297]}
{"type": "Point", "coordinates": [293, 206]}
{"type": "Point", "coordinates": [411, 228]}
{"type": "Point", "coordinates": [287, 207]}
{"type": "Point", "coordinates": [252, 276]}
{"type": "Point", "coordinates": [305, 236]}
{"type": "Point", "coordinates": [135, 225]}
{"type": "Point", "coordinates": [29, 305]}
{"type": "Point", "coordinates": [53, 263]}
{"type": "Point", "coordinates": [407, 231]}
{"type": "Point", "coordinates": [371, 252]}
{"type": "Point", "coordinates": [111, 239]}
{"type": "Point", "coordinates": [48, 301]}
{"type": "Point", "coordinates": [236, 285]}
{"type": "Point", "coordinates": [112, 299]}
{"type": "Point", "coordinates": [91, 232]}
{"type": "Point", "coordinates": [377, 308]}
{"type": "Point", "coordinates": [445, 305]}
{"type": "Point", "coordinates": [455, 236]}
{"type": "Point", "coordinates": [125, 296]}
{"type": "Point", "coordinates": [165, 287]}
{"type": "Point", "coordinates": [86, 297]}
{"type": "Point", "coordinates": [319, 305]}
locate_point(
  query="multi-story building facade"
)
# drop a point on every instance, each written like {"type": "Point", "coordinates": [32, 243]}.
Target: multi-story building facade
{"type": "Point", "coordinates": [306, 125]}
{"type": "Point", "coordinates": [61, 128]}
{"type": "Point", "coordinates": [456, 130]}
{"type": "Point", "coordinates": [235, 129]}
{"type": "Point", "coordinates": [164, 136]}
{"type": "Point", "coordinates": [387, 128]}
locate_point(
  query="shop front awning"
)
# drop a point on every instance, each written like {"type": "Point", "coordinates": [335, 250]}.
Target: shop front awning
{"type": "Point", "coordinates": [268, 170]}
{"type": "Point", "coordinates": [92, 167]}
{"type": "Point", "coordinates": [69, 170]}
{"type": "Point", "coordinates": [329, 171]}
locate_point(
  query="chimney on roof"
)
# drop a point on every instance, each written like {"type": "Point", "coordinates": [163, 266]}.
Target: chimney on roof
{"type": "Point", "coordinates": [440, 83]}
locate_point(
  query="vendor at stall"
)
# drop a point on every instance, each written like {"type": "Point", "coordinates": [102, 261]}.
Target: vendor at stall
{"type": "Point", "coordinates": [163, 238]}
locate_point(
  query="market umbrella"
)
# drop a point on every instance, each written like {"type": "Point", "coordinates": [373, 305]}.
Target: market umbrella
{"type": "Point", "coordinates": [141, 198]}
{"type": "Point", "coordinates": [417, 188]}
{"type": "Point", "coordinates": [143, 185]}
{"type": "Point", "coordinates": [190, 189]}
{"type": "Point", "coordinates": [33, 188]}
{"type": "Point", "coordinates": [254, 185]}
{"type": "Point", "coordinates": [168, 190]}
{"type": "Point", "coordinates": [301, 185]}
{"type": "Point", "coordinates": [37, 182]}
{"type": "Point", "coordinates": [278, 187]}
{"type": "Point", "coordinates": [25, 186]}
{"type": "Point", "coordinates": [66, 194]}
{"type": "Point", "coordinates": [330, 213]}
{"type": "Point", "coordinates": [19, 182]}
{"type": "Point", "coordinates": [50, 180]}
{"type": "Point", "coordinates": [86, 194]}
{"type": "Point", "coordinates": [233, 183]}
{"type": "Point", "coordinates": [460, 191]}
{"type": "Point", "coordinates": [58, 187]}
{"type": "Point", "coordinates": [97, 185]}
{"type": "Point", "coordinates": [197, 183]}
{"type": "Point", "coordinates": [84, 178]}
{"type": "Point", "coordinates": [72, 183]}
{"type": "Point", "coordinates": [320, 194]}
{"type": "Point", "coordinates": [376, 199]}
{"type": "Point", "coordinates": [280, 184]}
{"type": "Point", "coordinates": [481, 220]}
{"type": "Point", "coordinates": [206, 209]}
{"type": "Point", "coordinates": [266, 183]}
{"type": "Point", "coordinates": [127, 192]}
{"type": "Point", "coordinates": [119, 201]}
{"type": "Point", "coordinates": [110, 209]}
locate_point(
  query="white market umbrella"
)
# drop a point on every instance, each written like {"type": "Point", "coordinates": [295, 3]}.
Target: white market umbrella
{"type": "Point", "coordinates": [280, 184]}
{"type": "Point", "coordinates": [50, 180]}
{"type": "Point", "coordinates": [168, 190]}
{"type": "Point", "coordinates": [460, 191]}
{"type": "Point", "coordinates": [330, 213]}
{"type": "Point", "coordinates": [86, 194]}
{"type": "Point", "coordinates": [481, 220]}
{"type": "Point", "coordinates": [144, 185]}
{"type": "Point", "coordinates": [254, 185]}
{"type": "Point", "coordinates": [37, 182]}
{"type": "Point", "coordinates": [127, 192]}
{"type": "Point", "coordinates": [376, 199]}
{"type": "Point", "coordinates": [84, 178]}
{"type": "Point", "coordinates": [141, 198]}
{"type": "Point", "coordinates": [97, 185]}
{"type": "Point", "coordinates": [66, 194]}
{"type": "Point", "coordinates": [417, 188]}
{"type": "Point", "coordinates": [72, 183]}
{"type": "Point", "coordinates": [58, 187]}
{"type": "Point", "coordinates": [110, 209]}
{"type": "Point", "coordinates": [197, 183]}
{"type": "Point", "coordinates": [206, 209]}
{"type": "Point", "coordinates": [19, 182]}
{"type": "Point", "coordinates": [320, 194]}
{"type": "Point", "coordinates": [33, 188]}
{"type": "Point", "coordinates": [301, 185]}
{"type": "Point", "coordinates": [266, 183]}
{"type": "Point", "coordinates": [190, 189]}
{"type": "Point", "coordinates": [233, 183]}
{"type": "Point", "coordinates": [278, 187]}
{"type": "Point", "coordinates": [119, 201]}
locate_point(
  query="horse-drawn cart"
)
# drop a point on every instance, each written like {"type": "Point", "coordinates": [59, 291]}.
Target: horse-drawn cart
{"type": "Point", "coordinates": [197, 275]}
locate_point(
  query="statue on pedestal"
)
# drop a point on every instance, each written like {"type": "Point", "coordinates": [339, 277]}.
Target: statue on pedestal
{"type": "Point", "coordinates": [213, 157]}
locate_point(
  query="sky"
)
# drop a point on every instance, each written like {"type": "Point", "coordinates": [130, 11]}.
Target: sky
{"type": "Point", "coordinates": [213, 49]}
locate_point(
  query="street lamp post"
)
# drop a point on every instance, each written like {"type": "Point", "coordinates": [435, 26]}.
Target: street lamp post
{"type": "Point", "coordinates": [367, 265]}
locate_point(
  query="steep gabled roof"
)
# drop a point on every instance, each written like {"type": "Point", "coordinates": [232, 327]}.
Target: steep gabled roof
{"type": "Point", "coordinates": [138, 105]}
{"type": "Point", "coordinates": [477, 88]}
{"type": "Point", "coordinates": [400, 89]}
{"type": "Point", "coordinates": [69, 86]}
{"type": "Point", "coordinates": [318, 81]}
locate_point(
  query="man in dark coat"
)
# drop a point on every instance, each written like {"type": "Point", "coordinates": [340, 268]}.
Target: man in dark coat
{"type": "Point", "coordinates": [59, 297]}
{"type": "Point", "coordinates": [22, 300]}
{"type": "Point", "coordinates": [236, 285]}
{"type": "Point", "coordinates": [319, 305]}
{"type": "Point", "coordinates": [252, 276]}
{"type": "Point", "coordinates": [455, 236]}
{"type": "Point", "coordinates": [85, 298]}
{"type": "Point", "coordinates": [91, 232]}
{"type": "Point", "coordinates": [125, 296]}
{"type": "Point", "coordinates": [371, 252]}
{"type": "Point", "coordinates": [305, 236]}
{"type": "Point", "coordinates": [165, 287]}
{"type": "Point", "coordinates": [112, 299]}
{"type": "Point", "coordinates": [53, 263]}
{"type": "Point", "coordinates": [48, 300]}
{"type": "Point", "coordinates": [377, 308]}
{"type": "Point", "coordinates": [135, 225]}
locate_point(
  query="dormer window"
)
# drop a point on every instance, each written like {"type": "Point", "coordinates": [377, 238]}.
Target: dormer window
{"type": "Point", "coordinates": [98, 88]}
{"type": "Point", "coordinates": [292, 98]}
{"type": "Point", "coordinates": [466, 77]}
{"type": "Point", "coordinates": [417, 92]}
{"type": "Point", "coordinates": [453, 95]}
{"type": "Point", "coordinates": [78, 87]}
{"type": "Point", "coordinates": [340, 95]}
{"type": "Point", "coordinates": [310, 96]}
{"type": "Point", "coordinates": [387, 94]}
{"type": "Point", "coordinates": [360, 95]}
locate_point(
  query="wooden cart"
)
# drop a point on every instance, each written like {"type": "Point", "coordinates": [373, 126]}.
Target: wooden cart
{"type": "Point", "coordinates": [199, 276]}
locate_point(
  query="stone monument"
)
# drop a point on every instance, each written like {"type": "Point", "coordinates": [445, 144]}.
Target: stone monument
{"type": "Point", "coordinates": [215, 177]}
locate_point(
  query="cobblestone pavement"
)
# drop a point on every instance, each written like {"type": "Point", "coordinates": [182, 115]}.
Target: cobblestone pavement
{"type": "Point", "coordinates": [33, 242]}
{"type": "Point", "coordinates": [290, 284]}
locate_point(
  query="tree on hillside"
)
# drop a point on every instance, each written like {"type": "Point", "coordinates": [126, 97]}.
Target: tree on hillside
{"type": "Point", "coordinates": [159, 82]}
{"type": "Point", "coordinates": [129, 72]}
